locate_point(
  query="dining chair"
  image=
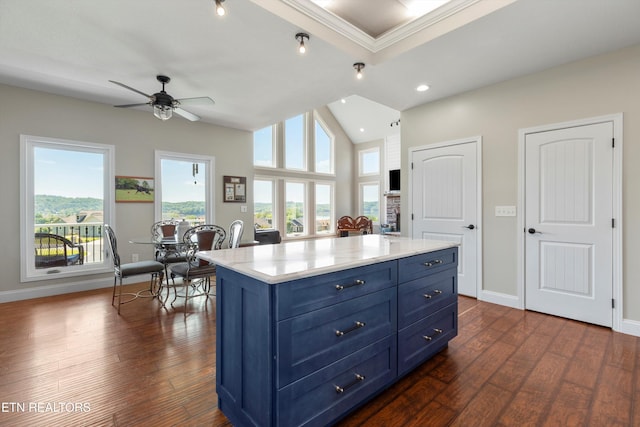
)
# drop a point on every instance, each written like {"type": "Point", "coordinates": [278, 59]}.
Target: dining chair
{"type": "Point", "coordinates": [195, 272]}
{"type": "Point", "coordinates": [123, 271]}
{"type": "Point", "coordinates": [235, 233]}
{"type": "Point", "coordinates": [167, 252]}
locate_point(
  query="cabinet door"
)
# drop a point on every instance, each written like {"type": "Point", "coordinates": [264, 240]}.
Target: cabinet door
{"type": "Point", "coordinates": [425, 338]}
{"type": "Point", "coordinates": [421, 265]}
{"type": "Point", "coordinates": [318, 399]}
{"type": "Point", "coordinates": [302, 296]}
{"type": "Point", "coordinates": [424, 296]}
{"type": "Point", "coordinates": [313, 340]}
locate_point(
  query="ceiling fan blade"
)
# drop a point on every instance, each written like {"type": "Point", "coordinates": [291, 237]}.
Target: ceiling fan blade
{"type": "Point", "coordinates": [131, 105]}
{"type": "Point", "coordinates": [201, 100]}
{"type": "Point", "coordinates": [187, 115]}
{"type": "Point", "coordinates": [130, 88]}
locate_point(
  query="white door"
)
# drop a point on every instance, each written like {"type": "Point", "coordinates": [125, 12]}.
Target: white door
{"type": "Point", "coordinates": [445, 206]}
{"type": "Point", "coordinates": [568, 222]}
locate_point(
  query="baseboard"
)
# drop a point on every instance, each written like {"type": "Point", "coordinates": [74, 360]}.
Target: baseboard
{"type": "Point", "coordinates": [500, 299]}
{"type": "Point", "coordinates": [630, 327]}
{"type": "Point", "coordinates": [60, 288]}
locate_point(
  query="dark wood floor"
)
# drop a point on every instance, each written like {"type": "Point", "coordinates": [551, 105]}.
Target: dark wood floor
{"type": "Point", "coordinates": [71, 360]}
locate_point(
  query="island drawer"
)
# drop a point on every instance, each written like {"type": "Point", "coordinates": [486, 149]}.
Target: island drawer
{"type": "Point", "coordinates": [310, 341]}
{"type": "Point", "coordinates": [424, 296]}
{"type": "Point", "coordinates": [302, 296]}
{"type": "Point", "coordinates": [421, 340]}
{"type": "Point", "coordinates": [416, 266]}
{"type": "Point", "coordinates": [317, 399]}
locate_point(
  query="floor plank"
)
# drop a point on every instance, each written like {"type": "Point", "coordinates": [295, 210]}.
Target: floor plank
{"type": "Point", "coordinates": [155, 366]}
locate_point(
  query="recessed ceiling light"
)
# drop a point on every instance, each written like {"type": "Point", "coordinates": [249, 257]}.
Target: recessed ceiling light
{"type": "Point", "coordinates": [344, 101]}
{"type": "Point", "coordinates": [422, 88]}
{"type": "Point", "coordinates": [361, 129]}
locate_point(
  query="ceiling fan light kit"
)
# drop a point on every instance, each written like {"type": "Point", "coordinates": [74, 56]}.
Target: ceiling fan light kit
{"type": "Point", "coordinates": [300, 38]}
{"type": "Point", "coordinates": [163, 104]}
{"type": "Point", "coordinates": [359, 66]}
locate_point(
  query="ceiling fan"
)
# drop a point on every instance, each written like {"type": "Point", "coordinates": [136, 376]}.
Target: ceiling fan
{"type": "Point", "coordinates": [164, 105]}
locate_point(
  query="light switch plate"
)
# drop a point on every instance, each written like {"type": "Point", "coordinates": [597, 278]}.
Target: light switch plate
{"type": "Point", "coordinates": [505, 211]}
{"type": "Point", "coordinates": [243, 208]}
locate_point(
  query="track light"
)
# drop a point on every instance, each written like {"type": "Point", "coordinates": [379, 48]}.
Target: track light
{"type": "Point", "coordinates": [300, 37]}
{"type": "Point", "coordinates": [219, 8]}
{"type": "Point", "coordinates": [396, 123]}
{"type": "Point", "coordinates": [359, 66]}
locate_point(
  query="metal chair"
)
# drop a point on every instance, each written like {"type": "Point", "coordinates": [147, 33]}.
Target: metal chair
{"type": "Point", "coordinates": [235, 233]}
{"type": "Point", "coordinates": [122, 271]}
{"type": "Point", "coordinates": [168, 251]}
{"type": "Point", "coordinates": [196, 273]}
{"type": "Point", "coordinates": [53, 250]}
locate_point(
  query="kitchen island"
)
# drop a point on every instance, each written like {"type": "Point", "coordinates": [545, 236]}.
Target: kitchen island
{"type": "Point", "coordinates": [309, 330]}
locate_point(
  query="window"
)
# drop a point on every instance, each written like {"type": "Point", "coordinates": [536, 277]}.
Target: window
{"type": "Point", "coordinates": [263, 203]}
{"type": "Point", "coordinates": [295, 143]}
{"type": "Point", "coordinates": [324, 209]}
{"type": "Point", "coordinates": [184, 187]}
{"type": "Point", "coordinates": [66, 191]}
{"type": "Point", "coordinates": [295, 196]}
{"type": "Point", "coordinates": [324, 149]}
{"type": "Point", "coordinates": [370, 200]}
{"type": "Point", "coordinates": [264, 148]}
{"type": "Point", "coordinates": [370, 162]}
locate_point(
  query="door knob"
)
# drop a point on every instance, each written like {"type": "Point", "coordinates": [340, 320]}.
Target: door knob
{"type": "Point", "coordinates": [470, 226]}
{"type": "Point", "coordinates": [533, 231]}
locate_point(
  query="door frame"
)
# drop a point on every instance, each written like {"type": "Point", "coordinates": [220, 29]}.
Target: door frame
{"type": "Point", "coordinates": [617, 253]}
{"type": "Point", "coordinates": [477, 140]}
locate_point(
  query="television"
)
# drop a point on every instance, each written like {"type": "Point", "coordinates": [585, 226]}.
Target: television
{"type": "Point", "coordinates": [394, 180]}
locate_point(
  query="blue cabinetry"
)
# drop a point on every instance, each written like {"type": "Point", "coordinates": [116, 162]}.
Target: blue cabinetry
{"type": "Point", "coordinates": [308, 351]}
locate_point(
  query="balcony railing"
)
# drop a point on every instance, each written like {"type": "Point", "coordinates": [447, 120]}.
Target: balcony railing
{"type": "Point", "coordinates": [88, 235]}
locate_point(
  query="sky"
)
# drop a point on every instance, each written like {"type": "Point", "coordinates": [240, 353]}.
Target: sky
{"type": "Point", "coordinates": [83, 170]}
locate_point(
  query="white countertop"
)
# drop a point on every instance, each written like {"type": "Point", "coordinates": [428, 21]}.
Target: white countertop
{"type": "Point", "coordinates": [298, 259]}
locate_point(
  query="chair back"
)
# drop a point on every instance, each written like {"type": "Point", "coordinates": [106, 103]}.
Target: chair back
{"type": "Point", "coordinates": [206, 237]}
{"type": "Point", "coordinates": [113, 246]}
{"type": "Point", "coordinates": [164, 228]}
{"type": "Point", "coordinates": [235, 233]}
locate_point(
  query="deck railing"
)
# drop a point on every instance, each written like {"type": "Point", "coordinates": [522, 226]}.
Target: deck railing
{"type": "Point", "coordinates": [89, 235]}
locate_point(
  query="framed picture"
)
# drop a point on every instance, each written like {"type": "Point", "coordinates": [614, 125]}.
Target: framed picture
{"type": "Point", "coordinates": [134, 189]}
{"type": "Point", "coordinates": [235, 189]}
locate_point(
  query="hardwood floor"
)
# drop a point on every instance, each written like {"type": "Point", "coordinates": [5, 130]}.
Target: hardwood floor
{"type": "Point", "coordinates": [71, 360]}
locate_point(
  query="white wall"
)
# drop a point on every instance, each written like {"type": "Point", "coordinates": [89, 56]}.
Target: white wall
{"type": "Point", "coordinates": [597, 86]}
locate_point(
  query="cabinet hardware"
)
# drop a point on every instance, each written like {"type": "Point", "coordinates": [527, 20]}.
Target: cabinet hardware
{"type": "Point", "coordinates": [429, 338]}
{"type": "Point", "coordinates": [351, 384]}
{"type": "Point", "coordinates": [436, 292]}
{"type": "Point", "coordinates": [356, 282]}
{"type": "Point", "coordinates": [432, 263]}
{"type": "Point", "coordinates": [357, 325]}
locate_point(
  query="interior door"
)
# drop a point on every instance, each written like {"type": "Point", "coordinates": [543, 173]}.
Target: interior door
{"type": "Point", "coordinates": [568, 222]}
{"type": "Point", "coordinates": [444, 202]}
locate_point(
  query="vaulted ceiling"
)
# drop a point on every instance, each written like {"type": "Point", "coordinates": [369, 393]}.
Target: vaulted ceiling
{"type": "Point", "coordinates": [248, 63]}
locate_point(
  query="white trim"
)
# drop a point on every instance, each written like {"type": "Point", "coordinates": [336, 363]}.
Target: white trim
{"type": "Point", "coordinates": [28, 271]}
{"type": "Point", "coordinates": [500, 299]}
{"type": "Point", "coordinates": [628, 326]}
{"type": "Point", "coordinates": [210, 180]}
{"type": "Point", "coordinates": [477, 140]}
{"type": "Point", "coordinates": [618, 295]}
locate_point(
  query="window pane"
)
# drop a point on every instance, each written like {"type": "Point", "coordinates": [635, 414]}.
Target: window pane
{"type": "Point", "coordinates": [295, 197]}
{"type": "Point", "coordinates": [68, 202]}
{"type": "Point", "coordinates": [263, 203]}
{"type": "Point", "coordinates": [324, 209]}
{"type": "Point", "coordinates": [370, 162]}
{"type": "Point", "coordinates": [324, 163]}
{"type": "Point", "coordinates": [263, 147]}
{"type": "Point", "coordinates": [371, 201]}
{"type": "Point", "coordinates": [294, 143]}
{"type": "Point", "coordinates": [183, 190]}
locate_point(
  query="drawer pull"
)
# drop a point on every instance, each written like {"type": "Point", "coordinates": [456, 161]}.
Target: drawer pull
{"type": "Point", "coordinates": [351, 384]}
{"type": "Point", "coordinates": [356, 282]}
{"type": "Point", "coordinates": [432, 263]}
{"type": "Point", "coordinates": [435, 294]}
{"type": "Point", "coordinates": [429, 338]}
{"type": "Point", "coordinates": [357, 325]}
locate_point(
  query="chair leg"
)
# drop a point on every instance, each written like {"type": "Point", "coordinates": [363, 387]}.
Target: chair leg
{"type": "Point", "coordinates": [120, 295]}
{"type": "Point", "coordinates": [113, 295]}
